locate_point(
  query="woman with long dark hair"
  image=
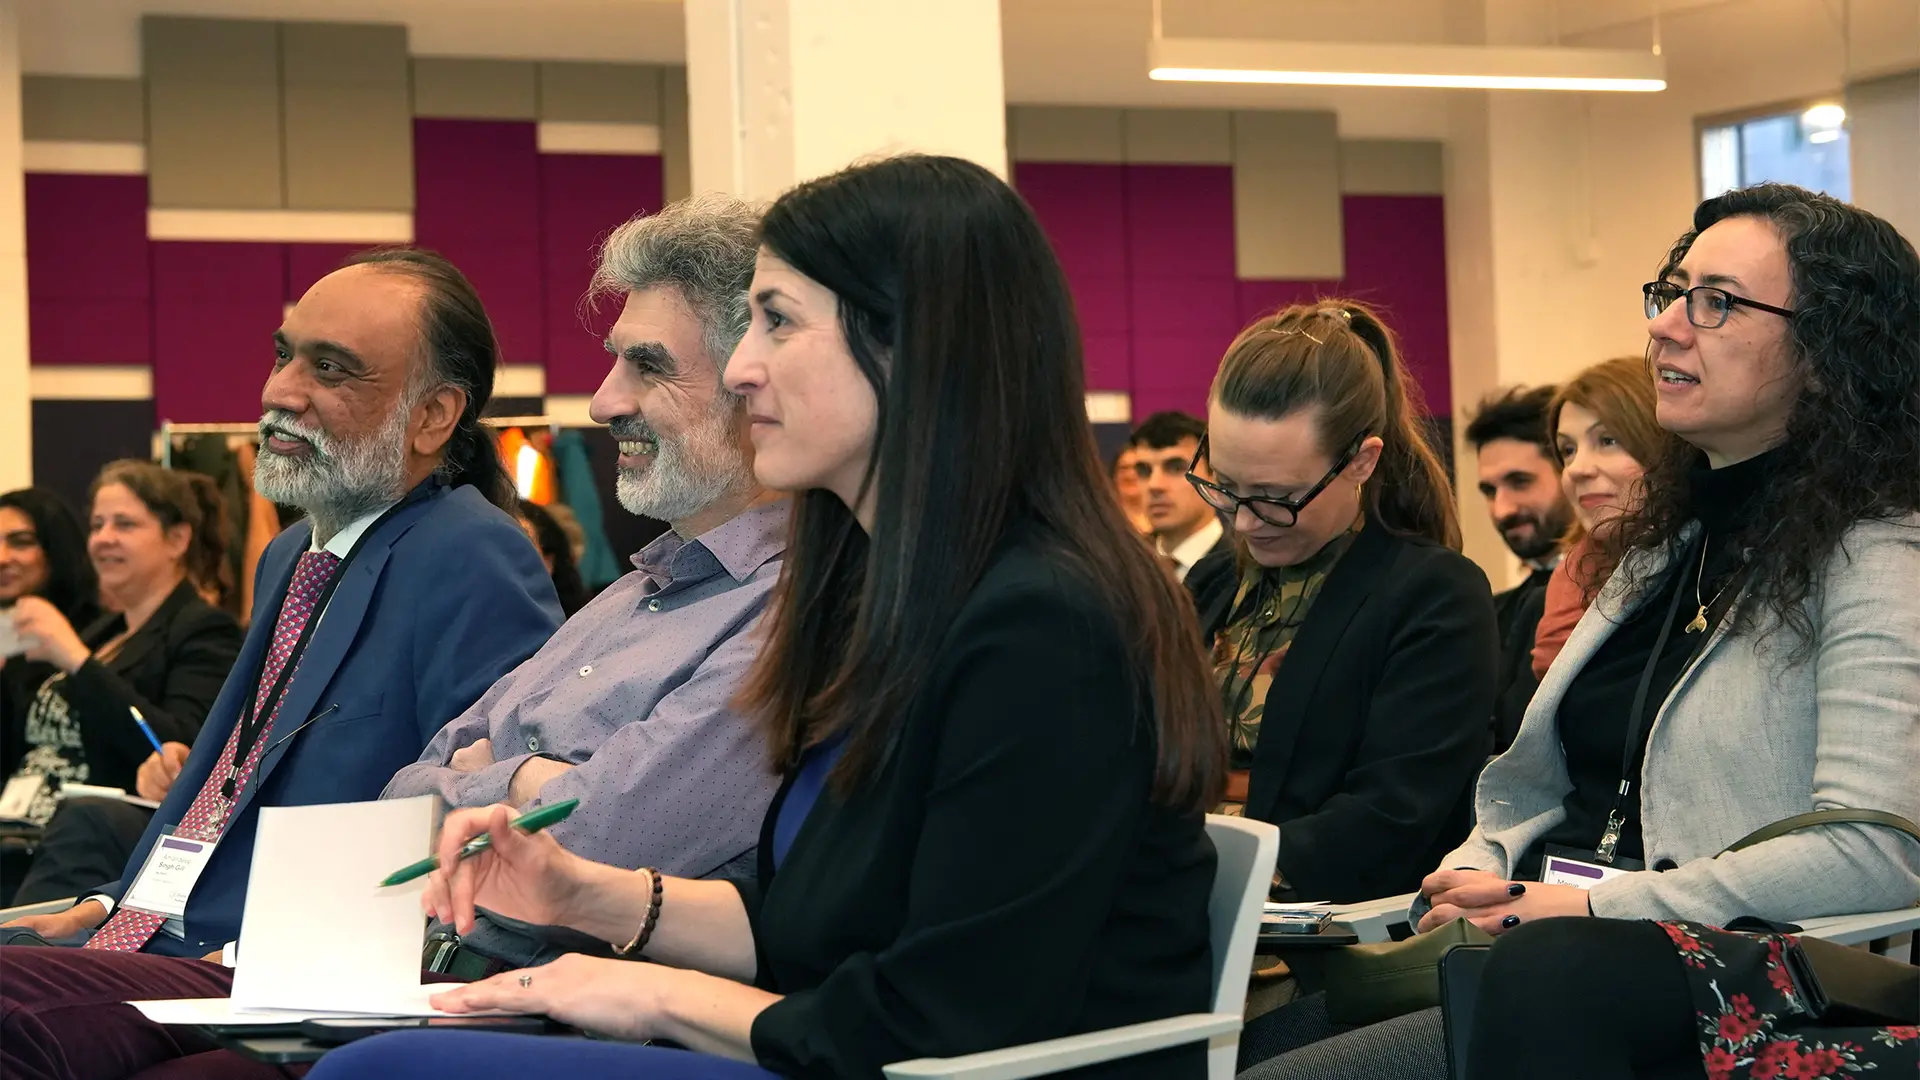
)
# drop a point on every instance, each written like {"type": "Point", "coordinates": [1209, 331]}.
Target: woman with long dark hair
{"type": "Point", "coordinates": [996, 730]}
{"type": "Point", "coordinates": [1354, 648]}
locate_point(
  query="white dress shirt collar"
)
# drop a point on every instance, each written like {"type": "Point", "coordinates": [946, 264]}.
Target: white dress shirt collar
{"type": "Point", "coordinates": [1193, 548]}
{"type": "Point", "coordinates": [343, 541]}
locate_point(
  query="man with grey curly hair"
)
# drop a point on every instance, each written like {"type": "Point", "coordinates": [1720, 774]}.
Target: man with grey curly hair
{"type": "Point", "coordinates": [627, 707]}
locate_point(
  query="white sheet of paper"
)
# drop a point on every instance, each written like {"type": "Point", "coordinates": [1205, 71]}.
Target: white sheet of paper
{"type": "Point", "coordinates": [318, 932]}
{"type": "Point", "coordinates": [17, 797]}
{"type": "Point", "coordinates": [224, 1011]}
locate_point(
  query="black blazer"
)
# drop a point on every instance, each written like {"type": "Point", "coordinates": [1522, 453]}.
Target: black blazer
{"type": "Point", "coordinates": [1377, 721]}
{"type": "Point", "coordinates": [1003, 878]}
{"type": "Point", "coordinates": [171, 669]}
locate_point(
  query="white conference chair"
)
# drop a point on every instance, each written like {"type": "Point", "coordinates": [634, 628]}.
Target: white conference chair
{"type": "Point", "coordinates": [1247, 851]}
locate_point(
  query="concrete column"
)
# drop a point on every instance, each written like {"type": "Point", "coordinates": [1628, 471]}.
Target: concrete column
{"type": "Point", "coordinates": [1541, 281]}
{"type": "Point", "coordinates": [780, 91]}
{"type": "Point", "coordinates": [16, 399]}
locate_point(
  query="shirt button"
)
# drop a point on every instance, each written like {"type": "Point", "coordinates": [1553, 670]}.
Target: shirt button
{"type": "Point", "coordinates": [533, 743]}
{"type": "Point", "coordinates": [653, 605]}
{"type": "Point", "coordinates": [586, 671]}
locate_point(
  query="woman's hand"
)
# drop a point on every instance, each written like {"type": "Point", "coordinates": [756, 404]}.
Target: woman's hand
{"type": "Point", "coordinates": [619, 999]}
{"type": "Point", "coordinates": [156, 773]}
{"type": "Point", "coordinates": [48, 635]}
{"type": "Point", "coordinates": [523, 876]}
{"type": "Point", "coordinates": [1493, 903]}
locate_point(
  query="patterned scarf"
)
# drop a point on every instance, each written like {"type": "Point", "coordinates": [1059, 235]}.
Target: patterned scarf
{"type": "Point", "coordinates": [1267, 612]}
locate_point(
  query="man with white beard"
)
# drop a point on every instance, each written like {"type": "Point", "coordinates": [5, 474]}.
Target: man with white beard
{"type": "Point", "coordinates": [405, 593]}
{"type": "Point", "coordinates": [627, 708]}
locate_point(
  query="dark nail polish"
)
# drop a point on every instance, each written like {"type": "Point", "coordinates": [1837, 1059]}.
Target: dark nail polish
{"type": "Point", "coordinates": [1516, 889]}
{"type": "Point", "coordinates": [1510, 922]}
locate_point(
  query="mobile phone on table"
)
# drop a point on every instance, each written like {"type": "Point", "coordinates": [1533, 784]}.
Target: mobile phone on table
{"type": "Point", "coordinates": [333, 1031]}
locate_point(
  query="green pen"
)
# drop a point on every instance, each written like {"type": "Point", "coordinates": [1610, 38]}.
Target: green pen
{"type": "Point", "coordinates": [530, 823]}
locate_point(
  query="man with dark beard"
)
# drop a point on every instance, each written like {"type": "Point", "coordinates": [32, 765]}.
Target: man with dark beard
{"type": "Point", "coordinates": [1520, 480]}
{"type": "Point", "coordinates": [628, 708]}
{"type": "Point", "coordinates": [405, 594]}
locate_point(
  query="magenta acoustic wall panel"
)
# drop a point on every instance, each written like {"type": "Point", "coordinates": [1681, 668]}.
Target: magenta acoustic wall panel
{"type": "Point", "coordinates": [1083, 210]}
{"type": "Point", "coordinates": [89, 285]}
{"type": "Point", "coordinates": [215, 307]}
{"type": "Point", "coordinates": [1181, 281]}
{"type": "Point", "coordinates": [1397, 260]}
{"type": "Point", "coordinates": [477, 201]}
{"type": "Point", "coordinates": [308, 263]}
{"type": "Point", "coordinates": [1149, 254]}
{"type": "Point", "coordinates": [582, 198]}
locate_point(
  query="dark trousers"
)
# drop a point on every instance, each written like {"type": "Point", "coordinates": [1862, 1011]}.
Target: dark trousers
{"type": "Point", "coordinates": [85, 846]}
{"type": "Point", "coordinates": [63, 1017]}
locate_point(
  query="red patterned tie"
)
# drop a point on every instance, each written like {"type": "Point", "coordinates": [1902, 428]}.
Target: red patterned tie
{"type": "Point", "coordinates": [128, 930]}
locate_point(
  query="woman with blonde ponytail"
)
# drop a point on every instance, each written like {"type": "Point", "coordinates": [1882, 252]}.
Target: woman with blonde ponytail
{"type": "Point", "coordinates": [1354, 648]}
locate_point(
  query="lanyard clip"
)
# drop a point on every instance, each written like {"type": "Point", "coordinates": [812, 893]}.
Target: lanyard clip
{"type": "Point", "coordinates": [1609, 839]}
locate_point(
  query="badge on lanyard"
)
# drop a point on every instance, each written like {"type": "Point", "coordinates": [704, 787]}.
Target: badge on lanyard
{"type": "Point", "coordinates": [167, 879]}
{"type": "Point", "coordinates": [1580, 869]}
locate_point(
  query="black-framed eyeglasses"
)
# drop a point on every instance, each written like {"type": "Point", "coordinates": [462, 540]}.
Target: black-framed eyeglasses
{"type": "Point", "coordinates": [1268, 508]}
{"type": "Point", "coordinates": [1707, 307]}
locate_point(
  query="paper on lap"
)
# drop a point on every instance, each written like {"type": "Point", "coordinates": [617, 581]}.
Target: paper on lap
{"type": "Point", "coordinates": [318, 932]}
{"type": "Point", "coordinates": [224, 1011]}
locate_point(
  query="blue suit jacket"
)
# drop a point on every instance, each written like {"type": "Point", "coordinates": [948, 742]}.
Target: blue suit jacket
{"type": "Point", "coordinates": [445, 596]}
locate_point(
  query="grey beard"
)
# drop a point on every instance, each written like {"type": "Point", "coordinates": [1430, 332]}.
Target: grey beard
{"type": "Point", "coordinates": [688, 475]}
{"type": "Point", "coordinates": [341, 482]}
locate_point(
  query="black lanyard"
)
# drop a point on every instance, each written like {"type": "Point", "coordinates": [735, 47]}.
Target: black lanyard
{"type": "Point", "coordinates": [1638, 719]}
{"type": "Point", "coordinates": [255, 715]}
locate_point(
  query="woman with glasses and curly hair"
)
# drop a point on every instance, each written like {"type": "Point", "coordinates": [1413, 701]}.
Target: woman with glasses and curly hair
{"type": "Point", "coordinates": [1755, 658]}
{"type": "Point", "coordinates": [1353, 646]}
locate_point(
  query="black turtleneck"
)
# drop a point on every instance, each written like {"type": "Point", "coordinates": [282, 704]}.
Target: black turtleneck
{"type": "Point", "coordinates": [1593, 720]}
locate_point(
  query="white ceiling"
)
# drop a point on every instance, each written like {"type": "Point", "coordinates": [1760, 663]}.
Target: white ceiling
{"type": "Point", "coordinates": [1722, 53]}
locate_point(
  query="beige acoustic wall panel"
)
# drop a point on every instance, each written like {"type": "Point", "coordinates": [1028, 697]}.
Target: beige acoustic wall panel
{"type": "Point", "coordinates": [62, 108]}
{"type": "Point", "coordinates": [600, 93]}
{"type": "Point", "coordinates": [676, 146]}
{"type": "Point", "coordinates": [1178, 136]}
{"type": "Point", "coordinates": [1286, 196]}
{"type": "Point", "coordinates": [475, 89]}
{"type": "Point", "coordinates": [1886, 149]}
{"type": "Point", "coordinates": [1066, 133]}
{"type": "Point", "coordinates": [213, 113]}
{"type": "Point", "coordinates": [349, 116]}
{"type": "Point", "coordinates": [1391, 167]}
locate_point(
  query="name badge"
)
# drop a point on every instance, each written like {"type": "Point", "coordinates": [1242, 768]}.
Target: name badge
{"type": "Point", "coordinates": [167, 879]}
{"type": "Point", "coordinates": [21, 791]}
{"type": "Point", "coordinates": [1581, 874]}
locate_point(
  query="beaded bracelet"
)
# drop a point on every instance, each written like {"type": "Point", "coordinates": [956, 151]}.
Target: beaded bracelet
{"type": "Point", "coordinates": [645, 933]}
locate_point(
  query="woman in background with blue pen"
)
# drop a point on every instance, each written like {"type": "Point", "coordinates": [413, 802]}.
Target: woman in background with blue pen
{"type": "Point", "coordinates": [996, 728]}
{"type": "Point", "coordinates": [132, 689]}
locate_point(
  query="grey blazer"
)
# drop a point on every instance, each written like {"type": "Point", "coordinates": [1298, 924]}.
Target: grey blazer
{"type": "Point", "coordinates": [1745, 739]}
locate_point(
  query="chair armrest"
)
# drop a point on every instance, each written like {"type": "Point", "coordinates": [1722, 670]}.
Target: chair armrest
{"type": "Point", "coordinates": [1864, 927]}
{"type": "Point", "coordinates": [1371, 918]}
{"type": "Point", "coordinates": [47, 907]}
{"type": "Point", "coordinates": [1072, 1052]}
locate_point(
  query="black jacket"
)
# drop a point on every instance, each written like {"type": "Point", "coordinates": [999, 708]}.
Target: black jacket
{"type": "Point", "coordinates": [1377, 721]}
{"type": "Point", "coordinates": [171, 668]}
{"type": "Point", "coordinates": [1004, 878]}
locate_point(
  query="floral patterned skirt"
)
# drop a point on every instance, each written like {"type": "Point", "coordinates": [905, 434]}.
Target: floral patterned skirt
{"type": "Point", "coordinates": [1754, 1024]}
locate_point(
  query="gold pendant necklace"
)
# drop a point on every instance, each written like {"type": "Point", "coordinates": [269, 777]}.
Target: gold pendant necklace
{"type": "Point", "coordinates": [1699, 623]}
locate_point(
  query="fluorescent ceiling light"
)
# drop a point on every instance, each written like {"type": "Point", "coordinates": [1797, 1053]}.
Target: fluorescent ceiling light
{"type": "Point", "coordinates": [1318, 63]}
{"type": "Point", "coordinates": [1827, 136]}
